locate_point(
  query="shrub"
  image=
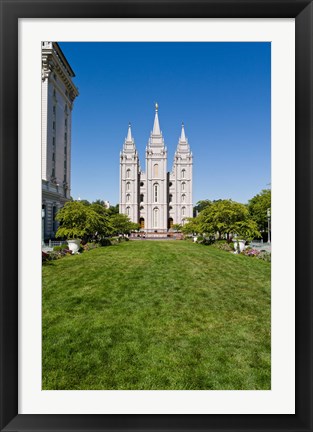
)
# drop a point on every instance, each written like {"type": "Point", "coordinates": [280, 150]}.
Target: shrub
{"type": "Point", "coordinates": [105, 242]}
{"type": "Point", "coordinates": [265, 256]}
{"type": "Point", "coordinates": [89, 246]}
{"type": "Point", "coordinates": [60, 248]}
{"type": "Point", "coordinates": [250, 252]}
{"type": "Point", "coordinates": [223, 245]}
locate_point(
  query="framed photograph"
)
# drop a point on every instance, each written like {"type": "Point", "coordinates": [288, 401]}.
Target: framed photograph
{"type": "Point", "coordinates": [266, 383]}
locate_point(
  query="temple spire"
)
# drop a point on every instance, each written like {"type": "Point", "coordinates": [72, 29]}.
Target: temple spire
{"type": "Point", "coordinates": [182, 135]}
{"type": "Point", "coordinates": [156, 125]}
{"type": "Point", "coordinates": [129, 133]}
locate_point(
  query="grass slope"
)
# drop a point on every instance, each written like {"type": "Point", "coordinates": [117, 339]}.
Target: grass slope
{"type": "Point", "coordinates": [156, 315]}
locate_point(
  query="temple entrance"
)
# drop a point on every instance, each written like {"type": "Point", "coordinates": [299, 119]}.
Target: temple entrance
{"type": "Point", "coordinates": [142, 223]}
{"type": "Point", "coordinates": [170, 223]}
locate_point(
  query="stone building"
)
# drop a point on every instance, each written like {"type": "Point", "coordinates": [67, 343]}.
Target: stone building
{"type": "Point", "coordinates": [57, 96]}
{"type": "Point", "coordinates": [156, 198]}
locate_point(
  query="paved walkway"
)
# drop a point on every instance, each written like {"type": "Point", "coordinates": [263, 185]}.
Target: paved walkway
{"type": "Point", "coordinates": [262, 246]}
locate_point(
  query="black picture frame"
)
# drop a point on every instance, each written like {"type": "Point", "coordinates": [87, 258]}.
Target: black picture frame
{"type": "Point", "coordinates": [11, 11]}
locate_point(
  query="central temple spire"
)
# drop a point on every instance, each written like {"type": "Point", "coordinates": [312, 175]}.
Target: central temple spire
{"type": "Point", "coordinates": [129, 133]}
{"type": "Point", "coordinates": [182, 136]}
{"type": "Point", "coordinates": [156, 125]}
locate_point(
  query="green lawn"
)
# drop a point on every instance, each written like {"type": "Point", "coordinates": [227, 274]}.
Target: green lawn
{"type": "Point", "coordinates": [156, 315]}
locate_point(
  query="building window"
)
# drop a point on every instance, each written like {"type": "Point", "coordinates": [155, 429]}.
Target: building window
{"type": "Point", "coordinates": [65, 122]}
{"type": "Point", "coordinates": [155, 193]}
{"type": "Point", "coordinates": [127, 197]}
{"type": "Point", "coordinates": [65, 151]}
{"type": "Point", "coordinates": [170, 184]}
{"type": "Point", "coordinates": [183, 186]}
{"type": "Point", "coordinates": [54, 93]}
{"type": "Point", "coordinates": [128, 173]}
{"type": "Point", "coordinates": [127, 211]}
{"type": "Point", "coordinates": [141, 184]}
{"type": "Point", "coordinates": [65, 108]}
{"type": "Point", "coordinates": [128, 186]}
{"type": "Point", "coordinates": [65, 164]}
{"type": "Point", "coordinates": [183, 211]}
{"type": "Point", "coordinates": [53, 141]}
{"type": "Point", "coordinates": [53, 125]}
{"type": "Point", "coordinates": [53, 109]}
{"type": "Point", "coordinates": [170, 198]}
{"type": "Point", "coordinates": [53, 156]}
{"type": "Point", "coordinates": [155, 217]}
{"type": "Point", "coordinates": [53, 173]}
{"type": "Point", "coordinates": [155, 170]}
{"type": "Point", "coordinates": [141, 197]}
{"type": "Point", "coordinates": [183, 198]}
{"type": "Point", "coordinates": [64, 178]}
{"type": "Point", "coordinates": [183, 173]}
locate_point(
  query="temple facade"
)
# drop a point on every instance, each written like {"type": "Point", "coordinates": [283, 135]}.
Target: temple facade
{"type": "Point", "coordinates": [156, 198]}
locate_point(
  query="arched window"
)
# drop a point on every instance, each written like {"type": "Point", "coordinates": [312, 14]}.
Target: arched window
{"type": "Point", "coordinates": [183, 198]}
{"type": "Point", "coordinates": [128, 173]}
{"type": "Point", "coordinates": [183, 186]}
{"type": "Point", "coordinates": [127, 186]}
{"type": "Point", "coordinates": [183, 173]}
{"type": "Point", "coordinates": [127, 211]}
{"type": "Point", "coordinates": [141, 197]}
{"type": "Point", "coordinates": [155, 217]}
{"type": "Point", "coordinates": [155, 170]}
{"type": "Point", "coordinates": [183, 211]}
{"type": "Point", "coordinates": [155, 191]}
{"type": "Point", "coordinates": [128, 197]}
{"type": "Point", "coordinates": [170, 198]}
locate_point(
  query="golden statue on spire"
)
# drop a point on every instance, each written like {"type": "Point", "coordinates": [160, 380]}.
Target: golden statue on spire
{"type": "Point", "coordinates": [156, 106]}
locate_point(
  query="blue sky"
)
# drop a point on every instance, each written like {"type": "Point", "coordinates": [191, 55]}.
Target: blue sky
{"type": "Point", "coordinates": [221, 91]}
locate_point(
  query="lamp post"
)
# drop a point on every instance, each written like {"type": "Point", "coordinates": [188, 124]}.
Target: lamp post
{"type": "Point", "coordinates": [269, 224]}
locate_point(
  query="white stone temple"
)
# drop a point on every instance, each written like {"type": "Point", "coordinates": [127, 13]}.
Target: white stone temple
{"type": "Point", "coordinates": [156, 198]}
{"type": "Point", "coordinates": [57, 97]}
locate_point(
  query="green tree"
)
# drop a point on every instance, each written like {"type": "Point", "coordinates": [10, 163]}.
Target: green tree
{"type": "Point", "coordinates": [85, 202]}
{"type": "Point", "coordinates": [258, 206]}
{"type": "Point", "coordinates": [227, 217]}
{"type": "Point", "coordinates": [177, 227]}
{"type": "Point", "coordinates": [121, 224]}
{"type": "Point", "coordinates": [78, 220]}
{"type": "Point", "coordinates": [202, 204]}
{"type": "Point", "coordinates": [113, 209]}
{"type": "Point", "coordinates": [192, 226]}
{"type": "Point", "coordinates": [99, 201]}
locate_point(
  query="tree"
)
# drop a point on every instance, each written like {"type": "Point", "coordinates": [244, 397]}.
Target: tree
{"type": "Point", "coordinates": [227, 217]}
{"type": "Point", "coordinates": [78, 220]}
{"type": "Point", "coordinates": [202, 204]}
{"type": "Point", "coordinates": [258, 206]}
{"type": "Point", "coordinates": [121, 224]}
{"type": "Point", "coordinates": [113, 209]}
{"type": "Point", "coordinates": [192, 226]}
{"type": "Point", "coordinates": [99, 201]}
{"type": "Point", "coordinates": [177, 227]}
{"type": "Point", "coordinates": [85, 202]}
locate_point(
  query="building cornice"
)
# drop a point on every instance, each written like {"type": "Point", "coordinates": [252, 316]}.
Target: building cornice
{"type": "Point", "coordinates": [51, 62]}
